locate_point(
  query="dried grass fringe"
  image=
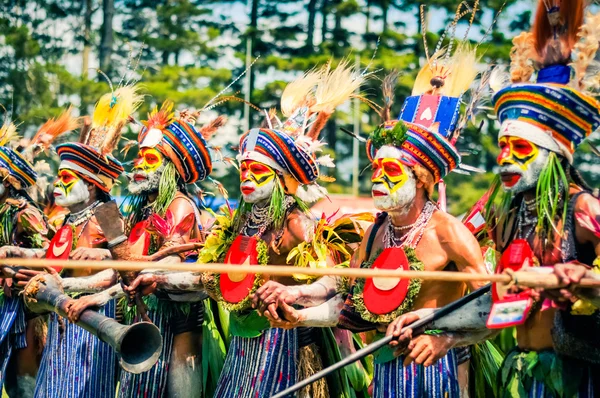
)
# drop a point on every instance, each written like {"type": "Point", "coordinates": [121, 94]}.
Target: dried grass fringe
{"type": "Point", "coordinates": [309, 363]}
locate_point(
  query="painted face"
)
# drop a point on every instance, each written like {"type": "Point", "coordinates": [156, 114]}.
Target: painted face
{"type": "Point", "coordinates": [257, 181]}
{"type": "Point", "coordinates": [394, 185]}
{"type": "Point", "coordinates": [521, 163]}
{"type": "Point", "coordinates": [69, 189]}
{"type": "Point", "coordinates": [147, 170]}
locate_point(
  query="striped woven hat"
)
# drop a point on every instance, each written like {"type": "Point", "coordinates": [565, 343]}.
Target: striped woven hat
{"type": "Point", "coordinates": [564, 116]}
{"type": "Point", "coordinates": [418, 145]}
{"type": "Point", "coordinates": [281, 152]}
{"type": "Point", "coordinates": [182, 144]}
{"type": "Point", "coordinates": [89, 164]}
{"type": "Point", "coordinates": [13, 164]}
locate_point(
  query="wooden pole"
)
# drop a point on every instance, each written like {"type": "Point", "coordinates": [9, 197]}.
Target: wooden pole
{"type": "Point", "coordinates": [521, 278]}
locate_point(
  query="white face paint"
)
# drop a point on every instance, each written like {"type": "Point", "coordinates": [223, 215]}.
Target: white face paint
{"type": "Point", "coordinates": [257, 181]}
{"type": "Point", "coordinates": [142, 181]}
{"type": "Point", "coordinates": [77, 194]}
{"type": "Point", "coordinates": [394, 185]}
{"type": "Point", "coordinates": [521, 164]}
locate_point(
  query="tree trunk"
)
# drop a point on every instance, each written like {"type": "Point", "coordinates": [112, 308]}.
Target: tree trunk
{"type": "Point", "coordinates": [85, 54]}
{"type": "Point", "coordinates": [385, 7]}
{"type": "Point", "coordinates": [331, 129]}
{"type": "Point", "coordinates": [253, 37]}
{"type": "Point", "coordinates": [106, 43]}
{"type": "Point", "coordinates": [310, 33]}
{"type": "Point", "coordinates": [324, 13]}
{"type": "Point", "coordinates": [165, 57]}
{"type": "Point", "coordinates": [368, 17]}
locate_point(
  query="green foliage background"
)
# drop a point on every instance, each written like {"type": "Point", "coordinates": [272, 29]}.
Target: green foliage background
{"type": "Point", "coordinates": [190, 49]}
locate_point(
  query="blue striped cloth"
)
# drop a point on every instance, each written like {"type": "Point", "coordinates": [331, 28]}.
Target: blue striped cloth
{"type": "Point", "coordinates": [539, 390]}
{"type": "Point", "coordinates": [393, 380]}
{"type": "Point", "coordinates": [12, 331]}
{"type": "Point", "coordinates": [75, 363]}
{"type": "Point", "coordinates": [152, 383]}
{"type": "Point", "coordinates": [260, 366]}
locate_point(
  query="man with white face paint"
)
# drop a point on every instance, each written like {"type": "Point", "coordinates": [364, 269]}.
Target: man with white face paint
{"type": "Point", "coordinates": [408, 157]}
{"type": "Point", "coordinates": [548, 215]}
{"type": "Point", "coordinates": [74, 361]}
{"type": "Point", "coordinates": [279, 169]}
{"type": "Point", "coordinates": [22, 224]}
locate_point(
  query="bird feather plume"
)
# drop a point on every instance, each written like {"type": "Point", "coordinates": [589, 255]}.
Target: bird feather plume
{"type": "Point", "coordinates": [388, 86]}
{"type": "Point", "coordinates": [499, 78]}
{"type": "Point", "coordinates": [521, 55]}
{"type": "Point", "coordinates": [300, 92]}
{"type": "Point", "coordinates": [116, 107]}
{"type": "Point", "coordinates": [160, 119]}
{"type": "Point", "coordinates": [270, 118]}
{"type": "Point", "coordinates": [333, 89]}
{"type": "Point", "coordinates": [209, 129]}
{"type": "Point", "coordinates": [585, 49]}
{"type": "Point", "coordinates": [462, 71]}
{"type": "Point", "coordinates": [53, 128]}
{"type": "Point", "coordinates": [111, 139]}
{"type": "Point", "coordinates": [431, 68]}
{"type": "Point", "coordinates": [8, 133]}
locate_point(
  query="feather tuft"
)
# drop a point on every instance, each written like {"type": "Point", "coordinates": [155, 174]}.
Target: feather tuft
{"type": "Point", "coordinates": [116, 107]}
{"type": "Point", "coordinates": [160, 119]}
{"type": "Point", "coordinates": [334, 88]}
{"type": "Point", "coordinates": [53, 128]}
{"type": "Point", "coordinates": [499, 78]}
{"type": "Point", "coordinates": [300, 92]}
{"type": "Point", "coordinates": [462, 71]}
{"type": "Point", "coordinates": [585, 50]}
{"type": "Point", "coordinates": [521, 55]}
{"type": "Point", "coordinates": [211, 128]}
{"type": "Point", "coordinates": [388, 88]}
{"type": "Point", "coordinates": [8, 133]}
{"type": "Point", "coordinates": [326, 161]}
{"type": "Point", "coordinates": [270, 119]}
{"type": "Point", "coordinates": [431, 69]}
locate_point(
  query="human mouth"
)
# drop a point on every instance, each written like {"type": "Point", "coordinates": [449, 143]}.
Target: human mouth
{"type": "Point", "coordinates": [378, 193]}
{"type": "Point", "coordinates": [57, 194]}
{"type": "Point", "coordinates": [510, 179]}
{"type": "Point", "coordinates": [139, 177]}
{"type": "Point", "coordinates": [247, 190]}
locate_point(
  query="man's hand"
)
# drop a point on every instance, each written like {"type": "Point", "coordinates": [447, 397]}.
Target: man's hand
{"type": "Point", "coordinates": [569, 275]}
{"type": "Point", "coordinates": [24, 275]}
{"type": "Point", "coordinates": [90, 254]}
{"type": "Point", "coordinates": [76, 307]}
{"type": "Point", "coordinates": [11, 252]}
{"type": "Point", "coordinates": [427, 349]}
{"type": "Point", "coordinates": [147, 284]}
{"type": "Point", "coordinates": [269, 295]}
{"type": "Point", "coordinates": [289, 318]}
{"type": "Point", "coordinates": [395, 329]}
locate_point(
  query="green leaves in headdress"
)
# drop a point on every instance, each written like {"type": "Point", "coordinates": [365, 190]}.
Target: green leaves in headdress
{"type": "Point", "coordinates": [386, 136]}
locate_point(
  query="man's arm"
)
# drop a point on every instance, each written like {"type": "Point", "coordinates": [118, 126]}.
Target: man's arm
{"type": "Point", "coordinates": [91, 284]}
{"type": "Point", "coordinates": [324, 315]}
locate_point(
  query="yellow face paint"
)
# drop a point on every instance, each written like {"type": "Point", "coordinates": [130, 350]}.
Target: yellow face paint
{"type": "Point", "coordinates": [390, 172]}
{"type": "Point", "coordinates": [517, 151]}
{"type": "Point", "coordinates": [258, 173]}
{"type": "Point", "coordinates": [148, 160]}
{"type": "Point", "coordinates": [66, 181]}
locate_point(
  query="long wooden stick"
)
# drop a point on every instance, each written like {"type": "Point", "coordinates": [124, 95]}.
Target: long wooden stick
{"type": "Point", "coordinates": [363, 352]}
{"type": "Point", "coordinates": [527, 279]}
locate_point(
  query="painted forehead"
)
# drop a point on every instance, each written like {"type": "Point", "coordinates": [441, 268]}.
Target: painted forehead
{"type": "Point", "coordinates": [387, 151]}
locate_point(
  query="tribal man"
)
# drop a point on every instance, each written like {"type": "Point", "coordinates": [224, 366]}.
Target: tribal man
{"type": "Point", "coordinates": [409, 157]}
{"type": "Point", "coordinates": [547, 213]}
{"type": "Point", "coordinates": [22, 224]}
{"type": "Point", "coordinates": [75, 362]}
{"type": "Point", "coordinates": [172, 153]}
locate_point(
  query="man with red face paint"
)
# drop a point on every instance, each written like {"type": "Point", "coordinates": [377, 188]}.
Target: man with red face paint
{"type": "Point", "coordinates": [408, 157]}
{"type": "Point", "coordinates": [74, 361]}
{"type": "Point", "coordinates": [547, 214]}
{"type": "Point", "coordinates": [161, 214]}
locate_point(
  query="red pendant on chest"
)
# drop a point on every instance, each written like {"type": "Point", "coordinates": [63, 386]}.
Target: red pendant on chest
{"type": "Point", "coordinates": [60, 245]}
{"type": "Point", "coordinates": [139, 239]}
{"type": "Point", "coordinates": [516, 256]}
{"type": "Point", "coordinates": [235, 286]}
{"type": "Point", "coordinates": [384, 295]}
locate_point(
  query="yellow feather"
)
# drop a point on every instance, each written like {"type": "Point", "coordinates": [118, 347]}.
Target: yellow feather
{"type": "Point", "coordinates": [335, 87]}
{"type": "Point", "coordinates": [462, 71]}
{"type": "Point", "coordinates": [115, 108]}
{"type": "Point", "coordinates": [8, 133]}
{"type": "Point", "coordinates": [428, 71]}
{"type": "Point", "coordinates": [299, 92]}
